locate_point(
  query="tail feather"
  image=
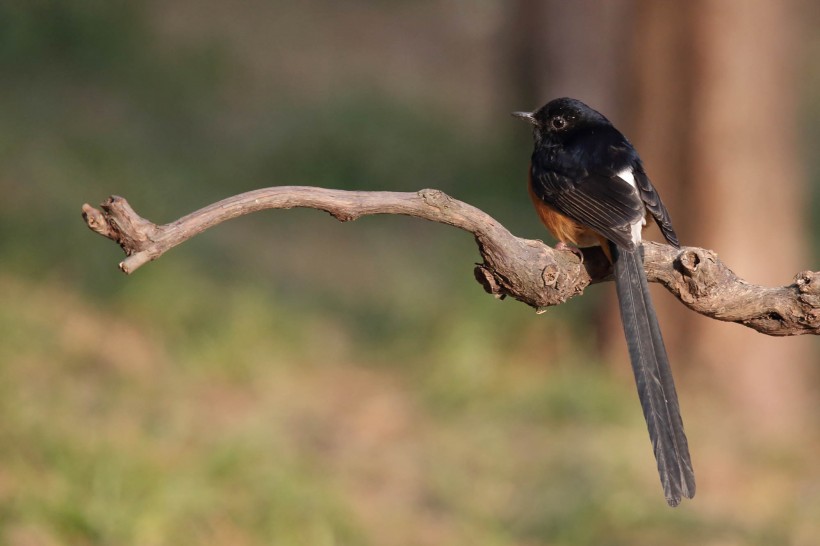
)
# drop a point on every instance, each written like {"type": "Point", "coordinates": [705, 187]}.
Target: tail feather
{"type": "Point", "coordinates": [653, 376]}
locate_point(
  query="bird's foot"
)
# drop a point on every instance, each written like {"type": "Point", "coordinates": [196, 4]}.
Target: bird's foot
{"type": "Point", "coordinates": [575, 250]}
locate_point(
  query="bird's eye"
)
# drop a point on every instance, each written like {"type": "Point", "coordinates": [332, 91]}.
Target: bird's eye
{"type": "Point", "coordinates": [558, 123]}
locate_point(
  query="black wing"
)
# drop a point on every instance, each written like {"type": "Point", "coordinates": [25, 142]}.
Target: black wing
{"type": "Point", "coordinates": [607, 204]}
{"type": "Point", "coordinates": [655, 206]}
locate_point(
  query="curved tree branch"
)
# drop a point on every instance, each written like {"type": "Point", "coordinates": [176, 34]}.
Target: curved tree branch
{"type": "Point", "coordinates": [528, 270]}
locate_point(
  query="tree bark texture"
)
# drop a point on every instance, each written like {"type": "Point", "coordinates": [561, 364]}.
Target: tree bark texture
{"type": "Point", "coordinates": [527, 270]}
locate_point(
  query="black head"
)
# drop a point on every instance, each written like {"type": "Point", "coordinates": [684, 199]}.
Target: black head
{"type": "Point", "coordinates": [561, 117]}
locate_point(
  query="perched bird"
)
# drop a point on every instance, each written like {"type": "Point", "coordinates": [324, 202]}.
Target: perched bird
{"type": "Point", "coordinates": [589, 188]}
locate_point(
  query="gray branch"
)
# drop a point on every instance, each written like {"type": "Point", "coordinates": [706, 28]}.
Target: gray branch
{"type": "Point", "coordinates": [527, 270]}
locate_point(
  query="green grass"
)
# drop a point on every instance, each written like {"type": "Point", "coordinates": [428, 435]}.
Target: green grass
{"type": "Point", "coordinates": [106, 440]}
{"type": "Point", "coordinates": [167, 418]}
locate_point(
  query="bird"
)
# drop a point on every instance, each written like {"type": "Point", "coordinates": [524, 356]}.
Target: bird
{"type": "Point", "coordinates": [589, 188]}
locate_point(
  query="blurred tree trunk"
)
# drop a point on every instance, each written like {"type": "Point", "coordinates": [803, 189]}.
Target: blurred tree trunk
{"type": "Point", "coordinates": [715, 98]}
{"type": "Point", "coordinates": [659, 111]}
{"type": "Point", "coordinates": [707, 92]}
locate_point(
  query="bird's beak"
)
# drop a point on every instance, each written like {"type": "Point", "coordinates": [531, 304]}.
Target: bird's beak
{"type": "Point", "coordinates": [526, 116]}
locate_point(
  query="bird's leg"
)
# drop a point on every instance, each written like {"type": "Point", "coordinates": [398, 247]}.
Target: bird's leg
{"type": "Point", "coordinates": [575, 250]}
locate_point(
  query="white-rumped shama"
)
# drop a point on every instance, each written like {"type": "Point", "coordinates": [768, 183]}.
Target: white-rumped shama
{"type": "Point", "coordinates": [589, 188]}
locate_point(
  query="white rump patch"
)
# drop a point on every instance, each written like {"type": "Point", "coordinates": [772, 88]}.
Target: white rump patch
{"type": "Point", "coordinates": [628, 176]}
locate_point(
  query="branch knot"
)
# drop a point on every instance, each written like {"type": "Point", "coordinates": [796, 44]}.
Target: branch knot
{"type": "Point", "coordinates": [435, 198]}
{"type": "Point", "coordinates": [701, 276]}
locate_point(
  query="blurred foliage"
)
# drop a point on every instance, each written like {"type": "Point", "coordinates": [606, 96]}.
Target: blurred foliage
{"type": "Point", "coordinates": [285, 379]}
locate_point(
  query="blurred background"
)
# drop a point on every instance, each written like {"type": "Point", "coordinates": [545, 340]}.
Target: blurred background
{"type": "Point", "coordinates": [286, 379]}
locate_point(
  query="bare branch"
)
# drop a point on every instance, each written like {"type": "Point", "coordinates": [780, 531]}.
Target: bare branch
{"type": "Point", "coordinates": [528, 270]}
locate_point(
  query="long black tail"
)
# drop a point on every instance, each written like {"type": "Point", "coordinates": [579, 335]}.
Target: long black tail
{"type": "Point", "coordinates": [653, 376]}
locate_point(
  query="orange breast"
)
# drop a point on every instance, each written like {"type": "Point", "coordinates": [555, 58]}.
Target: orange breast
{"type": "Point", "coordinates": [562, 228]}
